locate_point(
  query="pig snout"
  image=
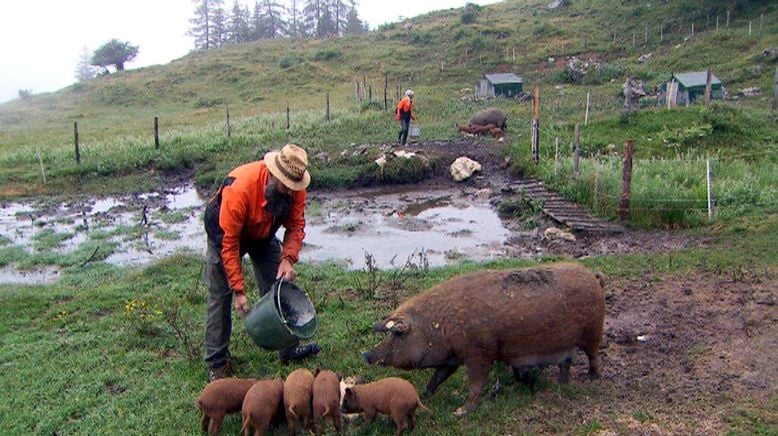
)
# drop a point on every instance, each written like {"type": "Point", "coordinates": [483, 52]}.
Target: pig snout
{"type": "Point", "coordinates": [370, 358]}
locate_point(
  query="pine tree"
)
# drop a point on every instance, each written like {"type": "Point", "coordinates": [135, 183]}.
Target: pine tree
{"type": "Point", "coordinates": [238, 26]}
{"type": "Point", "coordinates": [354, 25]}
{"type": "Point", "coordinates": [219, 23]}
{"type": "Point", "coordinates": [272, 20]}
{"type": "Point", "coordinates": [295, 23]}
{"type": "Point", "coordinates": [338, 11]}
{"type": "Point", "coordinates": [201, 24]}
{"type": "Point", "coordinates": [84, 69]}
{"type": "Point", "coordinates": [312, 17]}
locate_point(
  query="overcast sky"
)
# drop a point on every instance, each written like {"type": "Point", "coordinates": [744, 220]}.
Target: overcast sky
{"type": "Point", "coordinates": [41, 41]}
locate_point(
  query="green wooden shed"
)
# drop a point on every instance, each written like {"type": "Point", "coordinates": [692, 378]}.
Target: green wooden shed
{"type": "Point", "coordinates": [499, 85]}
{"type": "Point", "coordinates": [691, 87]}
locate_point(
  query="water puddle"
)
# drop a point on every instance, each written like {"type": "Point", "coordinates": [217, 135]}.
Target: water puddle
{"type": "Point", "coordinates": [389, 227]}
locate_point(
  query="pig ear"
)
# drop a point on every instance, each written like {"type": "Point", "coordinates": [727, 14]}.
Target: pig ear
{"type": "Point", "coordinates": [398, 327]}
{"type": "Point", "coordinates": [380, 327]}
{"type": "Point", "coordinates": [316, 371]}
{"type": "Point", "coordinates": [348, 393]}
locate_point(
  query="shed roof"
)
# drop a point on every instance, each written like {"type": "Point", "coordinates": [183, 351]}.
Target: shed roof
{"type": "Point", "coordinates": [501, 78]}
{"type": "Point", "coordinates": [698, 78]}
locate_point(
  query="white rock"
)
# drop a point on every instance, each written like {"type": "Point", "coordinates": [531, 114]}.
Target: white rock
{"type": "Point", "coordinates": [463, 167]}
{"type": "Point", "coordinates": [555, 233]}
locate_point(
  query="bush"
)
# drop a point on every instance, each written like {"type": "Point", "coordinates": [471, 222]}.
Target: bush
{"type": "Point", "coordinates": [470, 13]}
{"type": "Point", "coordinates": [327, 55]}
{"type": "Point", "coordinates": [289, 61]}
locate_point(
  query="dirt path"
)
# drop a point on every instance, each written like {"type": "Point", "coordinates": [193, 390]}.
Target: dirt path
{"type": "Point", "coordinates": [682, 352]}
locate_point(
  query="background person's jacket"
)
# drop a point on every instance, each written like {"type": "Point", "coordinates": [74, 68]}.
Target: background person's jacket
{"type": "Point", "coordinates": [404, 109]}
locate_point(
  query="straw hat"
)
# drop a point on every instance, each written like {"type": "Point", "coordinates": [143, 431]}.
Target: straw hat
{"type": "Point", "coordinates": [289, 166]}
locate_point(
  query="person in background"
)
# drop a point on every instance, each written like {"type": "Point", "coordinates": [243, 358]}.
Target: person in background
{"type": "Point", "coordinates": [242, 218]}
{"type": "Point", "coordinates": [405, 114]}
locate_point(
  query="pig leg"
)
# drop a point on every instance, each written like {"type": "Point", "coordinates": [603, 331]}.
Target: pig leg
{"type": "Point", "coordinates": [412, 420]}
{"type": "Point", "coordinates": [215, 425]}
{"type": "Point", "coordinates": [594, 363]}
{"type": "Point", "coordinates": [336, 419]}
{"type": "Point", "coordinates": [400, 421]}
{"type": "Point", "coordinates": [205, 421]}
{"type": "Point", "coordinates": [564, 371]}
{"type": "Point", "coordinates": [442, 373]}
{"type": "Point", "coordinates": [477, 376]}
{"type": "Point", "coordinates": [369, 415]}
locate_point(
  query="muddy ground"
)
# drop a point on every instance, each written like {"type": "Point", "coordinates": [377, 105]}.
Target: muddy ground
{"type": "Point", "coordinates": [682, 353]}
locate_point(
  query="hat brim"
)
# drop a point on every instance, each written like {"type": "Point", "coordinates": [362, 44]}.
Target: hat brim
{"type": "Point", "coordinates": [294, 185]}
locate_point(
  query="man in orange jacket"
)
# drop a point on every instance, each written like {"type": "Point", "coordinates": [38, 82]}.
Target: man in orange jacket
{"type": "Point", "coordinates": [242, 218]}
{"type": "Point", "coordinates": [404, 115]}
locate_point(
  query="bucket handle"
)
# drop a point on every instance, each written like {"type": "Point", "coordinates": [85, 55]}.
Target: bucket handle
{"type": "Point", "coordinates": [278, 305]}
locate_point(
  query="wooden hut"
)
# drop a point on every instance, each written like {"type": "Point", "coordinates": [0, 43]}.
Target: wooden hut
{"type": "Point", "coordinates": [499, 85]}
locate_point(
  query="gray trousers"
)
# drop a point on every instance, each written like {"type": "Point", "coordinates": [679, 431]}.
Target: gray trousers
{"type": "Point", "coordinates": [265, 258]}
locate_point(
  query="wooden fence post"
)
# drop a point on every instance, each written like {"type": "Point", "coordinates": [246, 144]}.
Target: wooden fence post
{"type": "Point", "coordinates": [645, 36]}
{"type": "Point", "coordinates": [708, 86]}
{"type": "Point", "coordinates": [709, 178]}
{"type": "Point", "coordinates": [229, 128]}
{"type": "Point", "coordinates": [576, 151]}
{"type": "Point", "coordinates": [386, 85]}
{"type": "Point", "coordinates": [328, 107]}
{"type": "Point", "coordinates": [596, 182]}
{"type": "Point", "coordinates": [287, 115]}
{"type": "Point", "coordinates": [75, 140]}
{"type": "Point", "coordinates": [536, 126]}
{"type": "Point", "coordinates": [628, 95]}
{"type": "Point", "coordinates": [156, 132]}
{"type": "Point", "coordinates": [370, 93]}
{"type": "Point", "coordinates": [556, 156]}
{"type": "Point", "coordinates": [626, 181]}
{"type": "Point", "coordinates": [717, 23]}
{"type": "Point", "coordinates": [727, 19]}
{"type": "Point", "coordinates": [761, 24]}
{"type": "Point", "coordinates": [40, 162]}
{"type": "Point", "coordinates": [661, 34]}
{"type": "Point", "coordinates": [692, 29]}
{"type": "Point", "coordinates": [586, 116]}
{"type": "Point", "coordinates": [775, 95]}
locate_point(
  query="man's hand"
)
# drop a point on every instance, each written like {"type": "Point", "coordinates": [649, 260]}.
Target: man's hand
{"type": "Point", "coordinates": [286, 270]}
{"type": "Point", "coordinates": [241, 305]}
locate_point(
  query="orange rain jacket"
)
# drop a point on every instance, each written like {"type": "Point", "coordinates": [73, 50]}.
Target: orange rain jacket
{"type": "Point", "coordinates": [405, 109]}
{"type": "Point", "coordinates": [243, 219]}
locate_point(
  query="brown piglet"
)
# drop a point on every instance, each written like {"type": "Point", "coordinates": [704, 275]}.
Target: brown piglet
{"type": "Point", "coordinates": [393, 396]}
{"type": "Point", "coordinates": [326, 399]}
{"type": "Point", "coordinates": [219, 398]}
{"type": "Point", "coordinates": [298, 391]}
{"type": "Point", "coordinates": [260, 405]}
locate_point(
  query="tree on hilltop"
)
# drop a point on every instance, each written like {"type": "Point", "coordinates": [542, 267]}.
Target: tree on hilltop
{"type": "Point", "coordinates": [238, 24]}
{"type": "Point", "coordinates": [114, 52]}
{"type": "Point", "coordinates": [201, 25]}
{"type": "Point", "coordinates": [84, 69]}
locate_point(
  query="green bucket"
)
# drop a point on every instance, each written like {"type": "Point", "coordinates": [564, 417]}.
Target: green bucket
{"type": "Point", "coordinates": [282, 317]}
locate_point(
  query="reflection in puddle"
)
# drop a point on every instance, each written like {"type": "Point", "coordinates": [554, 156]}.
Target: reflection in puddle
{"type": "Point", "coordinates": [427, 223]}
{"type": "Point", "coordinates": [390, 226]}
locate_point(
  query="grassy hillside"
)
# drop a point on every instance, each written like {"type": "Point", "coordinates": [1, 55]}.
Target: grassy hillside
{"type": "Point", "coordinates": [437, 55]}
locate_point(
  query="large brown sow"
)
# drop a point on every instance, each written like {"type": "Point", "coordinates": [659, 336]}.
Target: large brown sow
{"type": "Point", "coordinates": [529, 317]}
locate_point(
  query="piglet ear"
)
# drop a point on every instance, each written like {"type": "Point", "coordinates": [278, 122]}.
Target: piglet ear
{"type": "Point", "coordinates": [316, 371]}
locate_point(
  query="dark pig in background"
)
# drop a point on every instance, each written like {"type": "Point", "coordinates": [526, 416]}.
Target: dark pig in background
{"type": "Point", "coordinates": [492, 115]}
{"type": "Point", "coordinates": [526, 318]}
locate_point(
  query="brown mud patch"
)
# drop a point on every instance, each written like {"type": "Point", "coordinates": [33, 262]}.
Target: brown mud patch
{"type": "Point", "coordinates": [681, 354]}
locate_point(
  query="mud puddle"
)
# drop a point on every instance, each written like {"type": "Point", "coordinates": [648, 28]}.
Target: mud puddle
{"type": "Point", "coordinates": [391, 227]}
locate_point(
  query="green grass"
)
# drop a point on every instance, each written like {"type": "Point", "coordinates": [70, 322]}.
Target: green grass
{"type": "Point", "coordinates": [100, 343]}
